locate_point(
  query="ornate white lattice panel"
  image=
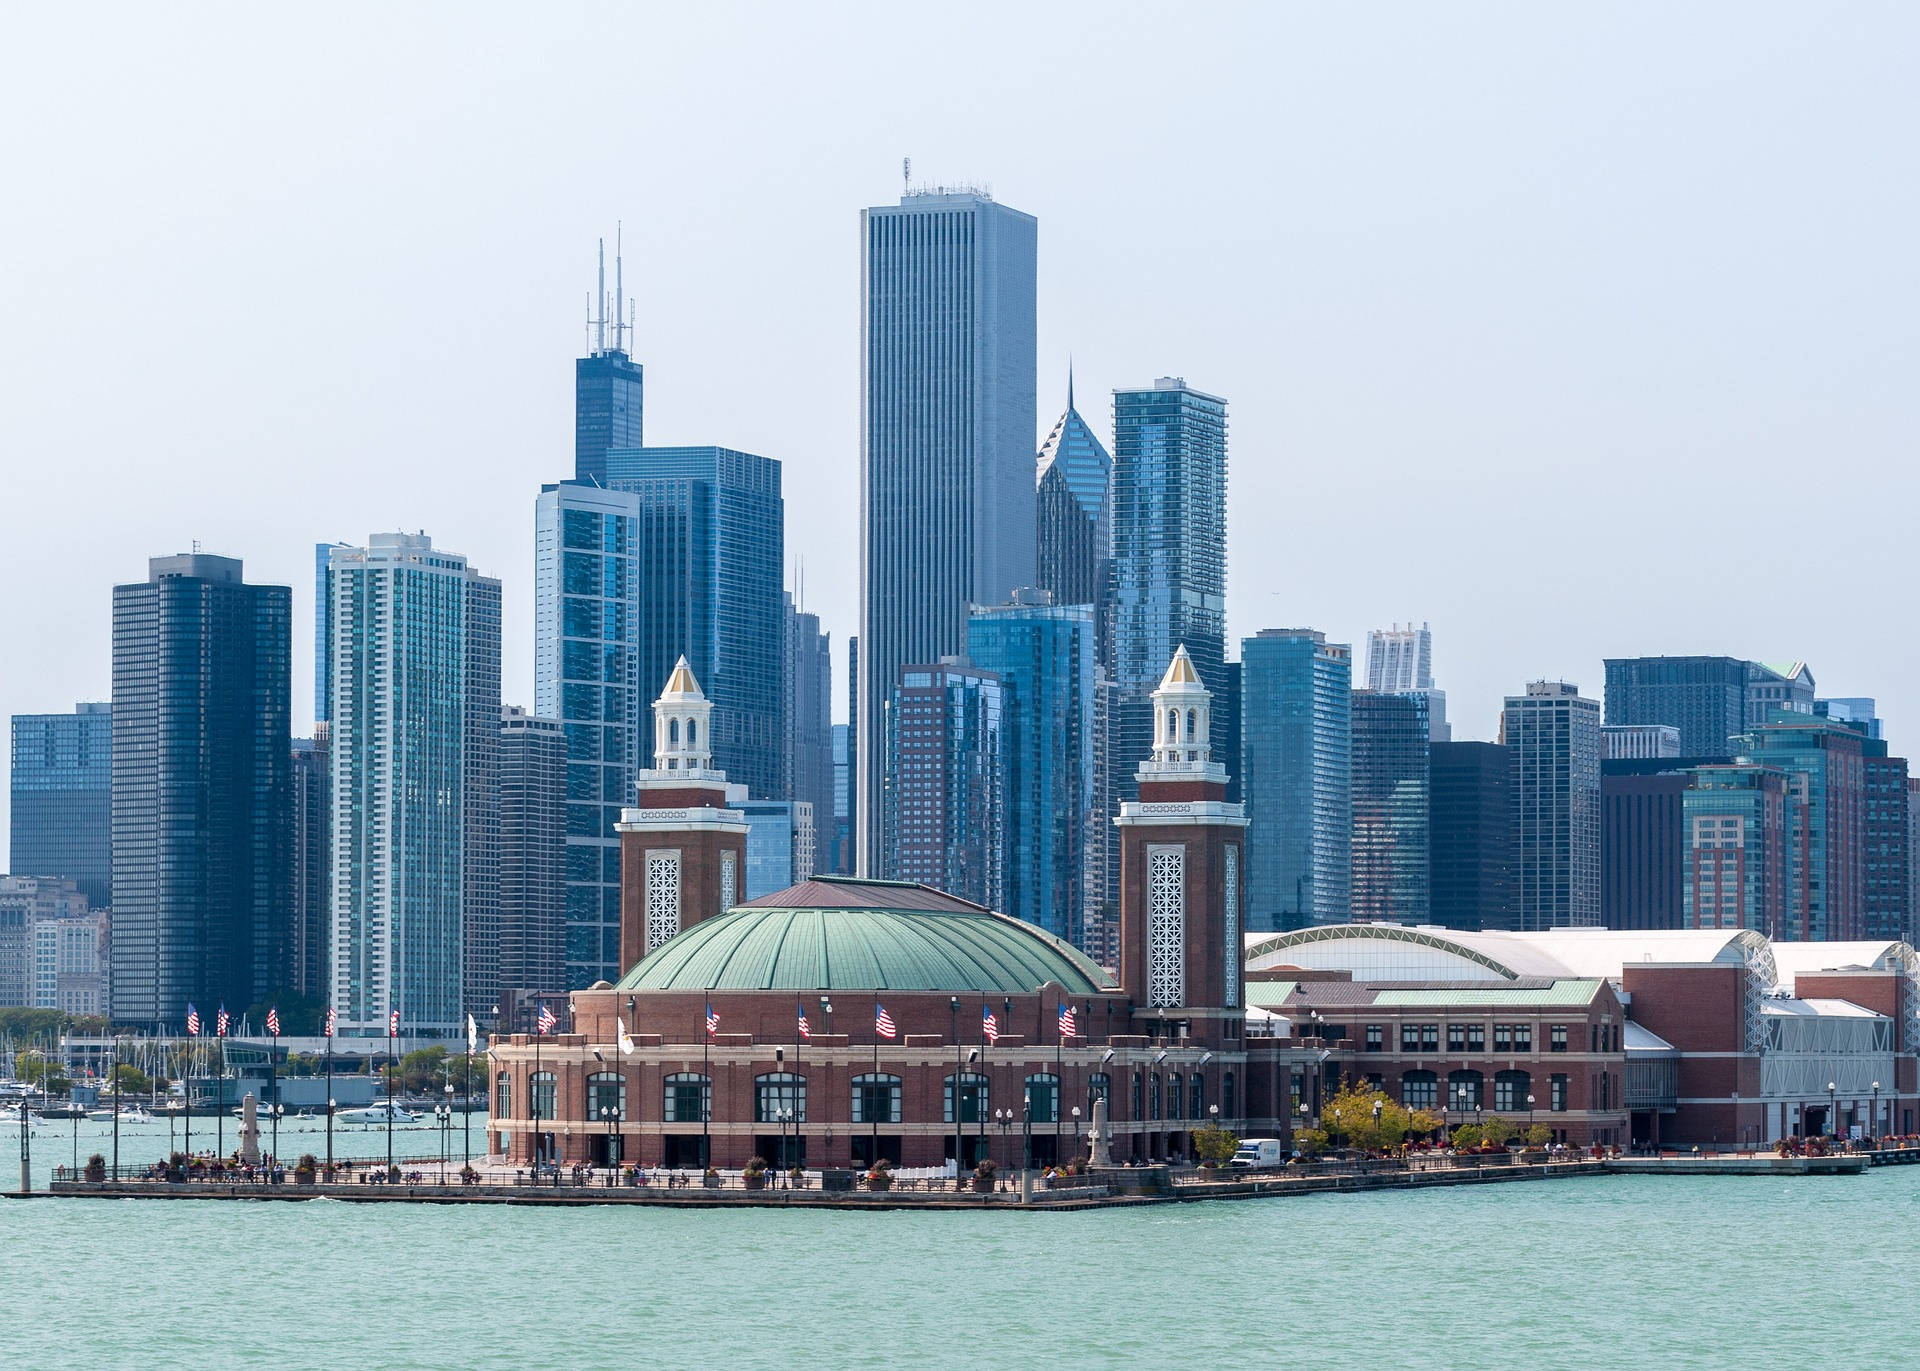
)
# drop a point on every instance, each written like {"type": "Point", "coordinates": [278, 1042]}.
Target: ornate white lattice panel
{"type": "Point", "coordinates": [1231, 886]}
{"type": "Point", "coordinates": [1166, 926]}
{"type": "Point", "coordinates": [728, 882]}
{"type": "Point", "coordinates": [663, 897]}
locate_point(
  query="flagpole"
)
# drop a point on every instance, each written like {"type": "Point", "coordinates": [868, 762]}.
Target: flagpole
{"type": "Point", "coordinates": [706, 1092]}
{"type": "Point", "coordinates": [533, 1100]}
{"type": "Point", "coordinates": [466, 1116]}
{"type": "Point", "coordinates": [797, 1097]}
{"type": "Point", "coordinates": [873, 1148]}
{"type": "Point", "coordinates": [329, 1092]}
{"type": "Point", "coordinates": [220, 1092]}
{"type": "Point", "coordinates": [393, 1033]}
{"type": "Point", "coordinates": [273, 1072]}
{"type": "Point", "coordinates": [187, 1095]}
{"type": "Point", "coordinates": [1059, 1086]}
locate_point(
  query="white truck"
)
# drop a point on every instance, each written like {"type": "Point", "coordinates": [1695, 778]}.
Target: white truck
{"type": "Point", "coordinates": [1260, 1152]}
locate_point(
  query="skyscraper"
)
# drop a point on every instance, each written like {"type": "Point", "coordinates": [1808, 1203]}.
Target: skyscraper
{"type": "Point", "coordinates": [586, 674]}
{"type": "Point", "coordinates": [1391, 807]}
{"type": "Point", "coordinates": [946, 782]}
{"type": "Point", "coordinates": [1400, 662]}
{"type": "Point", "coordinates": [1826, 825]}
{"type": "Point", "coordinates": [62, 816]}
{"type": "Point", "coordinates": [836, 842]}
{"type": "Point", "coordinates": [1169, 534]}
{"type": "Point", "coordinates": [1044, 656]}
{"type": "Point", "coordinates": [1473, 813]}
{"type": "Point", "coordinates": [533, 855]}
{"type": "Point", "coordinates": [310, 907]}
{"type": "Point", "coordinates": [1734, 841]}
{"type": "Point", "coordinates": [947, 331]}
{"type": "Point", "coordinates": [1705, 698]}
{"type": "Point", "coordinates": [1296, 741]}
{"type": "Point", "coordinates": [414, 756]}
{"type": "Point", "coordinates": [608, 386]}
{"type": "Point", "coordinates": [807, 757]}
{"type": "Point", "coordinates": [708, 575]}
{"type": "Point", "coordinates": [202, 788]}
{"type": "Point", "coordinates": [1073, 516]}
{"type": "Point", "coordinates": [1554, 732]}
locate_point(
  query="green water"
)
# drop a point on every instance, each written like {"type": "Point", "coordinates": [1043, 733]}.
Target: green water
{"type": "Point", "coordinates": [1602, 1272]}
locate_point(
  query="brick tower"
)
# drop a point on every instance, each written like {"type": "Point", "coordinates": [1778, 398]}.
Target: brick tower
{"type": "Point", "coordinates": [682, 851]}
{"type": "Point", "coordinates": [1180, 866]}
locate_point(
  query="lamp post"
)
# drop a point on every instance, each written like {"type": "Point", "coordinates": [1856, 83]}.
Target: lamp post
{"type": "Point", "coordinates": [1873, 1120]}
{"type": "Point", "coordinates": [607, 1117]}
{"type": "Point", "coordinates": [1833, 1111]}
{"type": "Point", "coordinates": [953, 1007]}
{"type": "Point", "coordinates": [330, 1104]}
{"type": "Point", "coordinates": [1076, 1134]}
{"type": "Point", "coordinates": [979, 1102]}
{"type": "Point", "coordinates": [114, 1080]}
{"type": "Point", "coordinates": [826, 1014]}
{"type": "Point", "coordinates": [26, 1149]}
{"type": "Point", "coordinates": [1529, 1117]}
{"type": "Point", "coordinates": [1026, 1135]}
{"type": "Point", "coordinates": [1004, 1118]}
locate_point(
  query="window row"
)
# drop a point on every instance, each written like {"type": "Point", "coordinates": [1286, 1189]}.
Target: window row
{"type": "Point", "coordinates": [1466, 1092]}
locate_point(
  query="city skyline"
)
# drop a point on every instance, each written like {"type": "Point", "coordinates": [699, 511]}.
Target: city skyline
{"type": "Point", "coordinates": [1373, 308]}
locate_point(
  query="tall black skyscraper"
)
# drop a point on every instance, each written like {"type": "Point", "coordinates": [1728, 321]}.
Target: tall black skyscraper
{"type": "Point", "coordinates": [202, 789]}
{"type": "Point", "coordinates": [533, 856]}
{"type": "Point", "coordinates": [309, 911]}
{"type": "Point", "coordinates": [1473, 811]}
{"type": "Point", "coordinates": [607, 385]}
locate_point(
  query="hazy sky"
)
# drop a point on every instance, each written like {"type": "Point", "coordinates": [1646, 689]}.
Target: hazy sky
{"type": "Point", "coordinates": [1576, 334]}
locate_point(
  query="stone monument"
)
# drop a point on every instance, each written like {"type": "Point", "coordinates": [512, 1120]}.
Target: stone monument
{"type": "Point", "coordinates": [1099, 1136]}
{"type": "Point", "coordinates": [249, 1130]}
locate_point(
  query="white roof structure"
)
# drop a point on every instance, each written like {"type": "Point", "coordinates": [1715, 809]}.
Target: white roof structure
{"type": "Point", "coordinates": [1422, 952]}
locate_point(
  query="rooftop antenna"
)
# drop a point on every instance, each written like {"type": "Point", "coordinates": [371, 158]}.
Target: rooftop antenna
{"type": "Point", "coordinates": [906, 175]}
{"type": "Point", "coordinates": [619, 290]}
{"type": "Point", "coordinates": [600, 331]}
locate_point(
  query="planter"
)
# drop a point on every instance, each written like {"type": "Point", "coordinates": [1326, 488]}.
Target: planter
{"type": "Point", "coordinates": [303, 1178]}
{"type": "Point", "coordinates": [983, 1185]}
{"type": "Point", "coordinates": [711, 1182]}
{"type": "Point", "coordinates": [879, 1182]}
{"type": "Point", "coordinates": [754, 1182]}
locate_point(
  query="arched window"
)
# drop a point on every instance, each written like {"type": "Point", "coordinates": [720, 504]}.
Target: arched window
{"type": "Point", "coordinates": [687, 1096]}
{"type": "Point", "coordinates": [1153, 1094]}
{"type": "Point", "coordinates": [973, 1095]}
{"type": "Point", "coordinates": [1193, 724]}
{"type": "Point", "coordinates": [1510, 1089]}
{"type": "Point", "coordinates": [673, 730]}
{"type": "Point", "coordinates": [503, 1095]}
{"type": "Point", "coordinates": [693, 732]}
{"type": "Point", "coordinates": [1043, 1098]}
{"type": "Point", "coordinates": [1464, 1089]}
{"type": "Point", "coordinates": [606, 1090]}
{"type": "Point", "coordinates": [1139, 1097]}
{"type": "Point", "coordinates": [1419, 1089]}
{"type": "Point", "coordinates": [1226, 1095]}
{"type": "Point", "coordinates": [1099, 1087]}
{"type": "Point", "coordinates": [1173, 725]}
{"type": "Point", "coordinates": [1197, 1096]}
{"type": "Point", "coordinates": [543, 1094]}
{"type": "Point", "coordinates": [876, 1099]}
{"type": "Point", "coordinates": [1174, 1098]}
{"type": "Point", "coordinates": [776, 1091]}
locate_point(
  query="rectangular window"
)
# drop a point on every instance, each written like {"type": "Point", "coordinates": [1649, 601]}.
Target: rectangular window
{"type": "Point", "coordinates": [1376, 1038]}
{"type": "Point", "coordinates": [1523, 1037]}
{"type": "Point", "coordinates": [1476, 1037]}
{"type": "Point", "coordinates": [1409, 1037]}
{"type": "Point", "coordinates": [1429, 1037]}
{"type": "Point", "coordinates": [1456, 1037]}
{"type": "Point", "coordinates": [1593, 1037]}
{"type": "Point", "coordinates": [1557, 1039]}
{"type": "Point", "coordinates": [1557, 1094]}
{"type": "Point", "coordinates": [1503, 1037]}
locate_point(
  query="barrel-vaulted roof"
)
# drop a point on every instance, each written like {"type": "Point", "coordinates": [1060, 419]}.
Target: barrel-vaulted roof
{"type": "Point", "coordinates": [849, 935]}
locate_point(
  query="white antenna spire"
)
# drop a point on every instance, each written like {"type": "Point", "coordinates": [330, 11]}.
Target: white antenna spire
{"type": "Point", "coordinates": [906, 175]}
{"type": "Point", "coordinates": [619, 290]}
{"type": "Point", "coordinates": [600, 331]}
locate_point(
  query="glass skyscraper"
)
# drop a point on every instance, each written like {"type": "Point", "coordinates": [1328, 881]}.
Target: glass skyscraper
{"type": "Point", "coordinates": [533, 854]}
{"type": "Point", "coordinates": [1826, 825]}
{"type": "Point", "coordinates": [946, 782]}
{"type": "Point", "coordinates": [1554, 733]}
{"type": "Point", "coordinates": [1073, 516]}
{"type": "Point", "coordinates": [202, 789]}
{"type": "Point", "coordinates": [586, 673]}
{"type": "Point", "coordinates": [709, 577]}
{"type": "Point", "coordinates": [1044, 657]}
{"type": "Point", "coordinates": [1391, 807]}
{"type": "Point", "coordinates": [1296, 740]}
{"type": "Point", "coordinates": [62, 795]}
{"type": "Point", "coordinates": [608, 386]}
{"type": "Point", "coordinates": [414, 759]}
{"type": "Point", "coordinates": [947, 331]}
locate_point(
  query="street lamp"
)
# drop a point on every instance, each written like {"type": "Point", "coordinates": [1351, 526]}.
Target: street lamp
{"type": "Point", "coordinates": [1026, 1134]}
{"type": "Point", "coordinates": [1833, 1110]}
{"type": "Point", "coordinates": [610, 1116]}
{"type": "Point", "coordinates": [1873, 1122]}
{"type": "Point", "coordinates": [1004, 1117]}
{"type": "Point", "coordinates": [443, 1115]}
{"type": "Point", "coordinates": [1529, 1118]}
{"type": "Point", "coordinates": [1076, 1135]}
{"type": "Point", "coordinates": [826, 1014]}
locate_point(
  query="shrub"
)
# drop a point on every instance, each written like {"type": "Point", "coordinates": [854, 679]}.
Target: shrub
{"type": "Point", "coordinates": [1215, 1145]}
{"type": "Point", "coordinates": [1466, 1137]}
{"type": "Point", "coordinates": [96, 1168]}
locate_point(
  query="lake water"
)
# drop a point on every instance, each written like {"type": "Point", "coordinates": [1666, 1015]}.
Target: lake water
{"type": "Point", "coordinates": [1602, 1272]}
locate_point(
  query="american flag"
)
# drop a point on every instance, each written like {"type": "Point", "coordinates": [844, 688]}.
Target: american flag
{"type": "Point", "coordinates": [393, 1024]}
{"type": "Point", "coordinates": [193, 1021]}
{"type": "Point", "coordinates": [220, 1023]}
{"type": "Point", "coordinates": [805, 1031]}
{"type": "Point", "coordinates": [547, 1019]}
{"type": "Point", "coordinates": [273, 1021]}
{"type": "Point", "coordinates": [882, 1021]}
{"type": "Point", "coordinates": [713, 1020]}
{"type": "Point", "coordinates": [989, 1025]}
{"type": "Point", "coordinates": [329, 1022]}
{"type": "Point", "coordinates": [1068, 1029]}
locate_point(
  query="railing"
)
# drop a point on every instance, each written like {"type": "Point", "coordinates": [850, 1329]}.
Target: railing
{"type": "Point", "coordinates": [427, 1172]}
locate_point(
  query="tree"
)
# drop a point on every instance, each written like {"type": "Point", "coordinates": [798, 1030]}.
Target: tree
{"type": "Point", "coordinates": [1539, 1135]}
{"type": "Point", "coordinates": [1362, 1115]}
{"type": "Point", "coordinates": [1311, 1141]}
{"type": "Point", "coordinates": [1497, 1132]}
{"type": "Point", "coordinates": [37, 1069]}
{"type": "Point", "coordinates": [127, 1079]}
{"type": "Point", "coordinates": [1466, 1137]}
{"type": "Point", "coordinates": [1215, 1144]}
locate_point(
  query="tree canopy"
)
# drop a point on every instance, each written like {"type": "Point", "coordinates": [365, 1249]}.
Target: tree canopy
{"type": "Point", "coordinates": [1361, 1115]}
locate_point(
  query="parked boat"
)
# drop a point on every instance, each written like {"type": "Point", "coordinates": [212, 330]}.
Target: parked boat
{"type": "Point", "coordinates": [388, 1114]}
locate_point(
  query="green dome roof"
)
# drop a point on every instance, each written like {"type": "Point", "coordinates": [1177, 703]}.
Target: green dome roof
{"type": "Point", "coordinates": [828, 934]}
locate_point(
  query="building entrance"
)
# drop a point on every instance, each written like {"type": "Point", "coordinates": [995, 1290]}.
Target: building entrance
{"type": "Point", "coordinates": [864, 1148]}
{"type": "Point", "coordinates": [606, 1151]}
{"type": "Point", "coordinates": [782, 1153]}
{"type": "Point", "coordinates": [681, 1151]}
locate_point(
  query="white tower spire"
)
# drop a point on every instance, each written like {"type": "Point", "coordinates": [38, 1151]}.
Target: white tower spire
{"type": "Point", "coordinates": [682, 740]}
